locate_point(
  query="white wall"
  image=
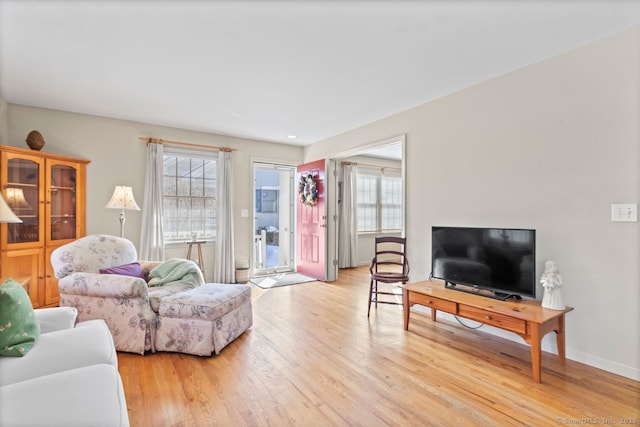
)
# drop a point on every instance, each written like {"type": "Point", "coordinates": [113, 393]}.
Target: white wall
{"type": "Point", "coordinates": [549, 147]}
{"type": "Point", "coordinates": [118, 157]}
{"type": "Point", "coordinates": [4, 126]}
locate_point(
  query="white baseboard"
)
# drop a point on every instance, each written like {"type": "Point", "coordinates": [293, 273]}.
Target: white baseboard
{"type": "Point", "coordinates": [549, 345]}
{"type": "Point", "coordinates": [604, 364]}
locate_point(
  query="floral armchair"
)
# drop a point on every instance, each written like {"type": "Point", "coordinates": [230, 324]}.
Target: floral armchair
{"type": "Point", "coordinates": [149, 304]}
{"type": "Point", "coordinates": [123, 301]}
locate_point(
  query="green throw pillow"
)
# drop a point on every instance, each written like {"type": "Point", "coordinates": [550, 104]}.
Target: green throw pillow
{"type": "Point", "coordinates": [19, 328]}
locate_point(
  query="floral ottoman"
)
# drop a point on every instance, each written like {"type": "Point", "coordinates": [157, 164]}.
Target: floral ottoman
{"type": "Point", "coordinates": [204, 319]}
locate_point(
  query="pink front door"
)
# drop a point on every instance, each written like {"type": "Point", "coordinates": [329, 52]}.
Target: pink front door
{"type": "Point", "coordinates": [311, 227]}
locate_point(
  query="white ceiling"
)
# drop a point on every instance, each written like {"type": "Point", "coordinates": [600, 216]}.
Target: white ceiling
{"type": "Point", "coordinates": [269, 69]}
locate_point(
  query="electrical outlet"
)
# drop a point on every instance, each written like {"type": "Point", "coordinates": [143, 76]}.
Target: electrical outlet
{"type": "Point", "coordinates": [624, 212]}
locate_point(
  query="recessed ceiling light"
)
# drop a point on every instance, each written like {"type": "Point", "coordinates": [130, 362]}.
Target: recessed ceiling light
{"type": "Point", "coordinates": [291, 136]}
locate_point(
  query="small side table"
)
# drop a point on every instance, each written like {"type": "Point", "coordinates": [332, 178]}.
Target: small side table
{"type": "Point", "coordinates": [199, 244]}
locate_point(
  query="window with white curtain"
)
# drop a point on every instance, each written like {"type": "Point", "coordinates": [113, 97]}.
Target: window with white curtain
{"type": "Point", "coordinates": [189, 194]}
{"type": "Point", "coordinates": [379, 200]}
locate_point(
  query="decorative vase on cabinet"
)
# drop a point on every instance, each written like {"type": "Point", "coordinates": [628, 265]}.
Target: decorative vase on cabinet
{"type": "Point", "coordinates": [48, 193]}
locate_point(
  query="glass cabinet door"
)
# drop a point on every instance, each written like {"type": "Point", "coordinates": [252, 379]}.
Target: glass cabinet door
{"type": "Point", "coordinates": [23, 195]}
{"type": "Point", "coordinates": [63, 206]}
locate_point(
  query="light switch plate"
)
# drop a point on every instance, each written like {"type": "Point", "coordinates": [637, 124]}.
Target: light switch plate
{"type": "Point", "coordinates": [624, 212]}
{"type": "Point", "coordinates": [244, 213]}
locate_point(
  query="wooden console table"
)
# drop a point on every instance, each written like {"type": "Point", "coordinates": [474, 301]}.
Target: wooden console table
{"type": "Point", "coordinates": [524, 317]}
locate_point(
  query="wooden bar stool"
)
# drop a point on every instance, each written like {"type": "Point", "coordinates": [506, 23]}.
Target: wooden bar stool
{"type": "Point", "coordinates": [389, 265]}
{"type": "Point", "coordinates": [199, 244]}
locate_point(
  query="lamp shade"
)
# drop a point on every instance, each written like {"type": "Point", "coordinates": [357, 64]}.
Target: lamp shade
{"type": "Point", "coordinates": [122, 198]}
{"type": "Point", "coordinates": [16, 200]}
{"type": "Point", "coordinates": [6, 214]}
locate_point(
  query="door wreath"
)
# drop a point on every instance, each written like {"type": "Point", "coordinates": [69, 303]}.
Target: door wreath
{"type": "Point", "coordinates": [308, 190]}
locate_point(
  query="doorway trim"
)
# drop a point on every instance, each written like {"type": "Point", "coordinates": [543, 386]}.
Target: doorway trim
{"type": "Point", "coordinates": [332, 200]}
{"type": "Point", "coordinates": [252, 219]}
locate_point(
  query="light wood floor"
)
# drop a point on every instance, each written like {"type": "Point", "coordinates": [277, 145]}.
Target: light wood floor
{"type": "Point", "coordinates": [312, 358]}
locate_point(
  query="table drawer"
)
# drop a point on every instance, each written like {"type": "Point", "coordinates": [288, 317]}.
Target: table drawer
{"type": "Point", "coordinates": [493, 319]}
{"type": "Point", "coordinates": [434, 303]}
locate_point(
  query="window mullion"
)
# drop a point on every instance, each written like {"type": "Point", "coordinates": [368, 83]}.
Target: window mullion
{"type": "Point", "coordinates": [379, 203]}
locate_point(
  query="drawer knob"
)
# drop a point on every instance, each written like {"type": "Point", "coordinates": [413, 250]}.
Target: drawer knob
{"type": "Point", "coordinates": [487, 317]}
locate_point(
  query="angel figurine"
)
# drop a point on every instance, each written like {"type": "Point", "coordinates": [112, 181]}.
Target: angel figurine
{"type": "Point", "coordinates": [552, 283]}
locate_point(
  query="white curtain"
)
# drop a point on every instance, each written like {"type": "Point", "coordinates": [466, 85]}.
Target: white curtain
{"type": "Point", "coordinates": [223, 261]}
{"type": "Point", "coordinates": [151, 233]}
{"type": "Point", "coordinates": [348, 226]}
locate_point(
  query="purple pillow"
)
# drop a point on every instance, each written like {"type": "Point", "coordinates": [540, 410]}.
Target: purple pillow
{"type": "Point", "coordinates": [133, 269]}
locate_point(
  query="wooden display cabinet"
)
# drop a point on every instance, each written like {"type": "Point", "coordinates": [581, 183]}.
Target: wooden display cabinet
{"type": "Point", "coordinates": [48, 193]}
{"type": "Point", "coordinates": [18, 263]}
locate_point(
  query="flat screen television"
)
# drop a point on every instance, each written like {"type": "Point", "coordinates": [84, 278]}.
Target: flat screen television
{"type": "Point", "coordinates": [499, 261]}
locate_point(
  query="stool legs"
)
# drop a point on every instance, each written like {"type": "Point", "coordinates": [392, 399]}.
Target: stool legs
{"type": "Point", "coordinates": [371, 292]}
{"type": "Point", "coordinates": [200, 261]}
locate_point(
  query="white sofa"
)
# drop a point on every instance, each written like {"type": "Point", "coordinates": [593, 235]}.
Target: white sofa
{"type": "Point", "coordinates": [69, 378]}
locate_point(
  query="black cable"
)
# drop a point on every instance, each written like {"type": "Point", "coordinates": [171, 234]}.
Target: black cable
{"type": "Point", "coordinates": [467, 326]}
{"type": "Point", "coordinates": [457, 318]}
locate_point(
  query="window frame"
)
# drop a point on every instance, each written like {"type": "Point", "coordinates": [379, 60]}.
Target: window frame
{"type": "Point", "coordinates": [260, 202]}
{"type": "Point", "coordinates": [379, 174]}
{"type": "Point", "coordinates": [206, 202]}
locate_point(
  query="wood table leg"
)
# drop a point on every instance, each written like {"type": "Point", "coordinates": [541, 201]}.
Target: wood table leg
{"type": "Point", "coordinates": [405, 308]}
{"type": "Point", "coordinates": [536, 363]}
{"type": "Point", "coordinates": [560, 340]}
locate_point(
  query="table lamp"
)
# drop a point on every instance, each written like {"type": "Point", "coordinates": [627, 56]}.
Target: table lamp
{"type": "Point", "coordinates": [16, 199]}
{"type": "Point", "coordinates": [122, 198]}
{"type": "Point", "coordinates": [6, 214]}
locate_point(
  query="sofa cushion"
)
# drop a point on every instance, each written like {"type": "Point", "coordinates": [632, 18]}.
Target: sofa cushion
{"type": "Point", "coordinates": [133, 269]}
{"type": "Point", "coordinates": [88, 396]}
{"type": "Point", "coordinates": [90, 343]}
{"type": "Point", "coordinates": [19, 329]}
{"type": "Point", "coordinates": [56, 318]}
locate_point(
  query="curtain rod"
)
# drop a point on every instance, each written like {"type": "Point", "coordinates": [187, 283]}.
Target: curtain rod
{"type": "Point", "coordinates": [187, 144]}
{"type": "Point", "coordinates": [345, 163]}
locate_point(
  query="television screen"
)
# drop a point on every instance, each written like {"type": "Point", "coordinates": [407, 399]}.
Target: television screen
{"type": "Point", "coordinates": [501, 260]}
